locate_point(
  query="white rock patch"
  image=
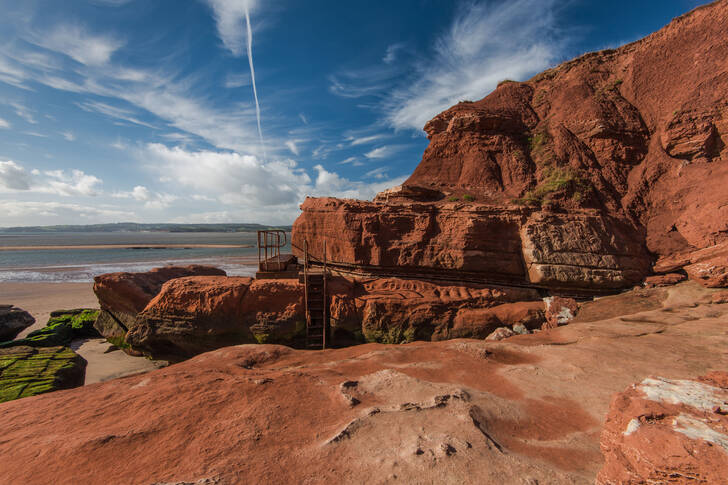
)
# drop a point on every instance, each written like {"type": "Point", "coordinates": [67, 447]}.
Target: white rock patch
{"type": "Point", "coordinates": [632, 426]}
{"type": "Point", "coordinates": [690, 393]}
{"type": "Point", "coordinates": [696, 429]}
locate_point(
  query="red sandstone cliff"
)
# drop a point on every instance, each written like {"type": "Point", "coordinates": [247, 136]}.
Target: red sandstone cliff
{"type": "Point", "coordinates": [582, 177]}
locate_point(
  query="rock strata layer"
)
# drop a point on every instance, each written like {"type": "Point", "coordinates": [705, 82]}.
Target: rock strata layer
{"type": "Point", "coordinates": [196, 314]}
{"type": "Point", "coordinates": [123, 295]}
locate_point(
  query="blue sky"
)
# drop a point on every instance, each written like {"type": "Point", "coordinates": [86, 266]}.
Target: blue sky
{"type": "Point", "coordinates": [137, 110]}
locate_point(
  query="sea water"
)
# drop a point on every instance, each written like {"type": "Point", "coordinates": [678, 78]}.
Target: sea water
{"type": "Point", "coordinates": [81, 265]}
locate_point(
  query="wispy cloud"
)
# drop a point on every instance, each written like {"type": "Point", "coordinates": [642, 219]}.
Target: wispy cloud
{"type": "Point", "coordinates": [485, 44]}
{"type": "Point", "coordinates": [237, 80]}
{"type": "Point", "coordinates": [391, 54]}
{"type": "Point", "coordinates": [364, 140]}
{"type": "Point", "coordinates": [24, 112]}
{"type": "Point", "coordinates": [384, 151]}
{"type": "Point", "coordinates": [79, 44]}
{"type": "Point", "coordinates": [230, 19]}
{"type": "Point", "coordinates": [4, 124]}
{"type": "Point", "coordinates": [113, 112]}
{"type": "Point", "coordinates": [69, 136]}
{"type": "Point", "coordinates": [354, 161]}
{"type": "Point", "coordinates": [378, 173]}
{"type": "Point", "coordinates": [291, 144]}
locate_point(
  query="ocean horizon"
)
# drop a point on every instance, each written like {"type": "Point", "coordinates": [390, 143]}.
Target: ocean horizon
{"type": "Point", "coordinates": [79, 257]}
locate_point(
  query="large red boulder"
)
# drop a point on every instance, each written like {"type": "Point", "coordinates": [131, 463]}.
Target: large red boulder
{"type": "Point", "coordinates": [667, 431]}
{"type": "Point", "coordinates": [192, 315]}
{"type": "Point", "coordinates": [123, 295]}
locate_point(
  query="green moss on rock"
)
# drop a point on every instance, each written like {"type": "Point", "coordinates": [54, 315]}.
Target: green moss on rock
{"type": "Point", "coordinates": [62, 327]}
{"type": "Point", "coordinates": [27, 371]}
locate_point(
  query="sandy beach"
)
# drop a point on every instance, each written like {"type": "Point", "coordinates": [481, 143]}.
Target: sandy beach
{"type": "Point", "coordinates": [40, 299]}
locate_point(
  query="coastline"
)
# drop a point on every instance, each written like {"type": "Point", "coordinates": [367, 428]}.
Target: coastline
{"type": "Point", "coordinates": [41, 298]}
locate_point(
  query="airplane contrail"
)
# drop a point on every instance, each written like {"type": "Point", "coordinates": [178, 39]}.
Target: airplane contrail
{"type": "Point", "coordinates": [252, 76]}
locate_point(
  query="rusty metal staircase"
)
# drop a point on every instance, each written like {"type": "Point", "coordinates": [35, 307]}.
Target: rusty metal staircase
{"type": "Point", "coordinates": [316, 302]}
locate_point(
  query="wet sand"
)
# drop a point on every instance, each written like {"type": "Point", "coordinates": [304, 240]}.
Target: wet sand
{"type": "Point", "coordinates": [40, 299]}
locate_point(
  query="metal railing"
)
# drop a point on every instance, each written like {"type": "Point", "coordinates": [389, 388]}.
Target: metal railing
{"type": "Point", "coordinates": [270, 240]}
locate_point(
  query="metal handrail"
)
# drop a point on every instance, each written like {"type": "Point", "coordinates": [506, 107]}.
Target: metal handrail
{"type": "Point", "coordinates": [270, 239]}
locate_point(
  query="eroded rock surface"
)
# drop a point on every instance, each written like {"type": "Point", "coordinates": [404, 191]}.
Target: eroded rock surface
{"type": "Point", "coordinates": [668, 431]}
{"type": "Point", "coordinates": [528, 409]}
{"type": "Point", "coordinates": [123, 295]}
{"type": "Point", "coordinates": [191, 315]}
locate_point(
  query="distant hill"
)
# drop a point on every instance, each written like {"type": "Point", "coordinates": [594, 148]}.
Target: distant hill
{"type": "Point", "coordinates": [134, 227]}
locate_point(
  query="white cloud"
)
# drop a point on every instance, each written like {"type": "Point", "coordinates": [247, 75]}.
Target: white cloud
{"type": "Point", "coordinates": [113, 112]}
{"type": "Point", "coordinates": [24, 113]}
{"type": "Point", "coordinates": [377, 173]}
{"type": "Point", "coordinates": [75, 42]}
{"type": "Point", "coordinates": [384, 151]}
{"type": "Point", "coordinates": [13, 176]}
{"type": "Point", "coordinates": [291, 144]}
{"type": "Point", "coordinates": [57, 182]}
{"type": "Point", "coordinates": [20, 212]}
{"type": "Point", "coordinates": [68, 136]}
{"type": "Point", "coordinates": [230, 18]}
{"type": "Point", "coordinates": [152, 200]}
{"type": "Point", "coordinates": [303, 118]}
{"type": "Point", "coordinates": [485, 44]}
{"type": "Point", "coordinates": [263, 189]}
{"type": "Point", "coordinates": [391, 55]}
{"type": "Point", "coordinates": [76, 182]}
{"type": "Point", "coordinates": [357, 83]}
{"type": "Point", "coordinates": [4, 124]}
{"type": "Point", "coordinates": [351, 160]}
{"type": "Point", "coordinates": [366, 139]}
{"type": "Point", "coordinates": [237, 80]}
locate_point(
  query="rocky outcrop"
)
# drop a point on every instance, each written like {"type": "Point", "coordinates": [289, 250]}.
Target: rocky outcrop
{"type": "Point", "coordinates": [192, 315]}
{"type": "Point", "coordinates": [395, 310]}
{"type": "Point", "coordinates": [13, 321]}
{"type": "Point", "coordinates": [123, 295]}
{"type": "Point", "coordinates": [667, 431]}
{"type": "Point", "coordinates": [668, 279]}
{"type": "Point", "coordinates": [526, 410]}
{"type": "Point", "coordinates": [27, 371]}
{"type": "Point", "coordinates": [196, 314]}
{"type": "Point", "coordinates": [580, 250]}
{"type": "Point", "coordinates": [62, 327]}
{"type": "Point", "coordinates": [578, 178]}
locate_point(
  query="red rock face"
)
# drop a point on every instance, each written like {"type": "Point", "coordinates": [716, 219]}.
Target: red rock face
{"type": "Point", "coordinates": [123, 295]}
{"type": "Point", "coordinates": [192, 315]}
{"type": "Point", "coordinates": [582, 249]}
{"type": "Point", "coordinates": [200, 313]}
{"type": "Point", "coordinates": [568, 180]}
{"type": "Point", "coordinates": [130, 292]}
{"type": "Point", "coordinates": [668, 431]}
